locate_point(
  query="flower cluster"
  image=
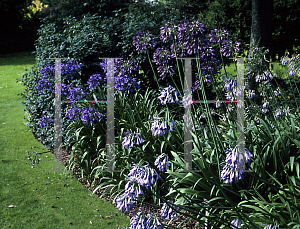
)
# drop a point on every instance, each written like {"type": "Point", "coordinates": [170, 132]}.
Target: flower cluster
{"type": "Point", "coordinates": [69, 69]}
{"type": "Point", "coordinates": [88, 114]}
{"type": "Point", "coordinates": [160, 129]}
{"type": "Point", "coordinates": [142, 221]}
{"type": "Point", "coordinates": [232, 169]}
{"type": "Point", "coordinates": [222, 37]}
{"type": "Point", "coordinates": [250, 94]}
{"type": "Point", "coordinates": [284, 60]}
{"type": "Point", "coordinates": [139, 176]}
{"type": "Point", "coordinates": [231, 89]}
{"type": "Point", "coordinates": [122, 71]}
{"type": "Point", "coordinates": [237, 223]}
{"type": "Point", "coordinates": [168, 212]}
{"type": "Point", "coordinates": [265, 106]}
{"type": "Point", "coordinates": [44, 84]}
{"type": "Point", "coordinates": [280, 111]}
{"type": "Point", "coordinates": [162, 162]}
{"type": "Point", "coordinates": [142, 40]}
{"type": "Point", "coordinates": [94, 81]}
{"type": "Point", "coordinates": [265, 76]}
{"type": "Point", "coordinates": [48, 75]}
{"type": "Point", "coordinates": [294, 66]}
{"type": "Point", "coordinates": [76, 94]}
{"type": "Point", "coordinates": [161, 57]}
{"type": "Point", "coordinates": [129, 139]}
{"type": "Point", "coordinates": [45, 121]}
{"type": "Point", "coordinates": [65, 88]}
{"type": "Point", "coordinates": [166, 95]}
{"type": "Point", "coordinates": [189, 39]}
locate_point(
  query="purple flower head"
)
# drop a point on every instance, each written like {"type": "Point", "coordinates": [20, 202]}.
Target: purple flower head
{"type": "Point", "coordinates": [122, 70]}
{"type": "Point", "coordinates": [230, 84]}
{"type": "Point", "coordinates": [44, 84]}
{"type": "Point", "coordinates": [280, 112]}
{"type": "Point", "coordinates": [73, 113]}
{"type": "Point", "coordinates": [65, 89]}
{"type": "Point", "coordinates": [237, 223]}
{"type": "Point", "coordinates": [162, 162]}
{"type": "Point", "coordinates": [265, 76]}
{"type": "Point", "coordinates": [90, 115]}
{"type": "Point", "coordinates": [222, 37]}
{"type": "Point", "coordinates": [142, 40]}
{"type": "Point", "coordinates": [277, 92]}
{"type": "Point", "coordinates": [94, 81]}
{"type": "Point", "coordinates": [250, 94]}
{"type": "Point", "coordinates": [67, 69]}
{"type": "Point", "coordinates": [124, 203]}
{"type": "Point", "coordinates": [129, 139]}
{"type": "Point", "coordinates": [140, 221]}
{"type": "Point", "coordinates": [87, 115]}
{"type": "Point", "coordinates": [75, 94]}
{"type": "Point", "coordinates": [187, 38]}
{"type": "Point", "coordinates": [143, 175]}
{"type": "Point", "coordinates": [132, 191]}
{"type": "Point", "coordinates": [45, 121]}
{"type": "Point", "coordinates": [168, 212]}
{"type": "Point", "coordinates": [233, 169]}
{"type": "Point", "coordinates": [166, 32]}
{"type": "Point", "coordinates": [166, 95]}
{"type": "Point", "coordinates": [266, 104]}
{"type": "Point", "coordinates": [284, 60]}
{"type": "Point", "coordinates": [161, 129]}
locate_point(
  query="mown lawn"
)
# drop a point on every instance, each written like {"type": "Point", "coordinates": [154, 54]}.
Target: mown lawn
{"type": "Point", "coordinates": [31, 197]}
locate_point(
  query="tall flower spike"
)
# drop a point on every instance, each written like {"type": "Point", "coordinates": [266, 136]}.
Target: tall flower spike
{"type": "Point", "coordinates": [142, 40]}
{"type": "Point", "coordinates": [167, 212]}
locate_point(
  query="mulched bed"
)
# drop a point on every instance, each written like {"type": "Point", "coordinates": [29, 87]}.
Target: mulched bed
{"type": "Point", "coordinates": [135, 208]}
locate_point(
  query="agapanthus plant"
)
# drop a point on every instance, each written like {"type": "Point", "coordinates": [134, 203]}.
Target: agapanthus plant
{"type": "Point", "coordinates": [139, 176]}
{"type": "Point", "coordinates": [129, 139]}
{"type": "Point", "coordinates": [182, 40]}
{"type": "Point", "coordinates": [234, 167]}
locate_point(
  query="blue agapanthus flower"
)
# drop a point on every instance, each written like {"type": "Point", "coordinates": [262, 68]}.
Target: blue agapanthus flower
{"type": "Point", "coordinates": [130, 137]}
{"type": "Point", "coordinates": [162, 162]}
{"type": "Point", "coordinates": [45, 121]}
{"type": "Point", "coordinates": [233, 169]}
{"type": "Point", "coordinates": [168, 212]}
{"type": "Point", "coordinates": [167, 95]}
{"type": "Point", "coordinates": [237, 223]}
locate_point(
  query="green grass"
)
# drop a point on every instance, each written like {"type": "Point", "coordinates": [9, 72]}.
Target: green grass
{"type": "Point", "coordinates": [41, 199]}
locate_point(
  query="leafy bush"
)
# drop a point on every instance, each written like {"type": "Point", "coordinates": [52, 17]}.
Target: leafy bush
{"type": "Point", "coordinates": [149, 134]}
